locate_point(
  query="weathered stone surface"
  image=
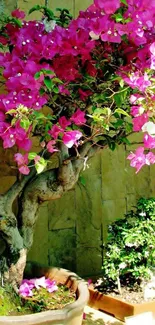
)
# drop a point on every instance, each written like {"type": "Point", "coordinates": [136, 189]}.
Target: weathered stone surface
{"type": "Point", "coordinates": [112, 210]}
{"type": "Point", "coordinates": [39, 250]}
{"type": "Point", "coordinates": [7, 5]}
{"type": "Point", "coordinates": [6, 182]}
{"type": "Point", "coordinates": [137, 184]}
{"type": "Point", "coordinates": [62, 248]}
{"type": "Point", "coordinates": [113, 173]}
{"type": "Point", "coordinates": [89, 211]}
{"type": "Point", "coordinates": [152, 180]}
{"type": "Point", "coordinates": [62, 212]}
{"type": "Point", "coordinates": [89, 261]}
{"type": "Point", "coordinates": [7, 163]}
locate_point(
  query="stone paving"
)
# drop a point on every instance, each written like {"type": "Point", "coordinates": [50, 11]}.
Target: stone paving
{"type": "Point", "coordinates": [98, 318]}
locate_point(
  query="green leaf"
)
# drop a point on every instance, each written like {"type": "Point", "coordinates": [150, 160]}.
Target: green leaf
{"type": "Point", "coordinates": [41, 165]}
{"type": "Point", "coordinates": [42, 91]}
{"type": "Point", "coordinates": [118, 123]}
{"type": "Point", "coordinates": [112, 145]}
{"type": "Point", "coordinates": [82, 180]}
{"type": "Point", "coordinates": [32, 155]}
{"type": "Point", "coordinates": [118, 17]}
{"type": "Point", "coordinates": [121, 83]}
{"type": "Point", "coordinates": [121, 111]}
{"type": "Point", "coordinates": [57, 80]}
{"type": "Point", "coordinates": [48, 12]}
{"type": "Point", "coordinates": [34, 8]}
{"type": "Point", "coordinates": [11, 111]}
{"type": "Point", "coordinates": [124, 1]}
{"type": "Point", "coordinates": [39, 115]}
{"type": "Point", "coordinates": [56, 90]}
{"type": "Point", "coordinates": [38, 74]}
{"type": "Point", "coordinates": [17, 22]}
{"type": "Point", "coordinates": [126, 141]}
{"type": "Point", "coordinates": [14, 120]}
{"type": "Point", "coordinates": [48, 71]}
{"type": "Point", "coordinates": [48, 83]}
{"type": "Point", "coordinates": [25, 123]}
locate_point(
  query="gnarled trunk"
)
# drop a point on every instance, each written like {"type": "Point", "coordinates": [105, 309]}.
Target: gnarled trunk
{"type": "Point", "coordinates": [16, 231]}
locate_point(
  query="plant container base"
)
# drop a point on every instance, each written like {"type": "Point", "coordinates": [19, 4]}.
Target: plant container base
{"type": "Point", "coordinates": [117, 307]}
{"type": "Point", "coordinates": [71, 314]}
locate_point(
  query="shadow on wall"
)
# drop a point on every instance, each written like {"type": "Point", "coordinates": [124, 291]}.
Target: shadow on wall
{"type": "Point", "coordinates": [90, 320]}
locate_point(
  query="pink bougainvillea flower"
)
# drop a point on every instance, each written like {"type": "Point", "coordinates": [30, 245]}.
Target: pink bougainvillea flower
{"type": "Point", "coordinates": [22, 161]}
{"type": "Point", "coordinates": [78, 117]}
{"type": "Point", "coordinates": [3, 40]}
{"type": "Point", "coordinates": [55, 131]}
{"type": "Point", "coordinates": [18, 14]}
{"type": "Point", "coordinates": [149, 142]}
{"type": "Point", "coordinates": [40, 282]}
{"type": "Point", "coordinates": [25, 290]}
{"type": "Point", "coordinates": [71, 137]}
{"type": "Point", "coordinates": [27, 286]}
{"type": "Point", "coordinates": [138, 159]}
{"type": "Point", "coordinates": [84, 94]}
{"type": "Point", "coordinates": [50, 146]}
{"type": "Point", "coordinates": [150, 158]}
{"type": "Point", "coordinates": [109, 6]}
{"type": "Point", "coordinates": [51, 285]}
{"type": "Point", "coordinates": [136, 110]}
{"type": "Point", "coordinates": [64, 122]}
{"type": "Point", "coordinates": [139, 121]}
{"type": "Point", "coordinates": [25, 170]}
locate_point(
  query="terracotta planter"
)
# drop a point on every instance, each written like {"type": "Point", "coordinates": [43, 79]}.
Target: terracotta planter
{"type": "Point", "coordinates": [116, 307]}
{"type": "Point", "coordinates": [72, 314]}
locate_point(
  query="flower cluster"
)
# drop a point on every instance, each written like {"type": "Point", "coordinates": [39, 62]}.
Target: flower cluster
{"type": "Point", "coordinates": [95, 75]}
{"type": "Point", "coordinates": [27, 286]}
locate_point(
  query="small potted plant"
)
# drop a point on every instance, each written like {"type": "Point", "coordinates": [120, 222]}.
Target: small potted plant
{"type": "Point", "coordinates": [128, 264]}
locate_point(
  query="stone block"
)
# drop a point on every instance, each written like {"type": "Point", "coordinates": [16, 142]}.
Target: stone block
{"type": "Point", "coordinates": [6, 182]}
{"type": "Point", "coordinates": [7, 6]}
{"type": "Point", "coordinates": [89, 261]}
{"type": "Point", "coordinates": [7, 163]}
{"type": "Point", "coordinates": [39, 250]}
{"type": "Point", "coordinates": [113, 174]}
{"type": "Point", "coordinates": [62, 248]}
{"type": "Point", "coordinates": [62, 212]}
{"type": "Point", "coordinates": [89, 213]}
{"type": "Point", "coordinates": [112, 210]}
{"type": "Point", "coordinates": [137, 184]}
{"type": "Point", "coordinates": [152, 181]}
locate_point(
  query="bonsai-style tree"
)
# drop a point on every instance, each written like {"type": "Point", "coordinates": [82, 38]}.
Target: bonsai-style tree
{"type": "Point", "coordinates": [95, 75]}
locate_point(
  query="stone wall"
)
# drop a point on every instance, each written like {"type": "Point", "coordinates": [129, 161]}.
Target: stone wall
{"type": "Point", "coordinates": [70, 232]}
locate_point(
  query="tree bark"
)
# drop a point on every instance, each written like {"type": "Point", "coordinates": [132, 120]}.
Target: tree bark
{"type": "Point", "coordinates": [16, 232]}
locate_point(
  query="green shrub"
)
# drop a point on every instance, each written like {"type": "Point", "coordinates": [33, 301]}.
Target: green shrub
{"type": "Point", "coordinates": [130, 248]}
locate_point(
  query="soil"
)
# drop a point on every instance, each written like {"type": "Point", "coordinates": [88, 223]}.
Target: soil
{"type": "Point", "coordinates": [133, 295]}
{"type": "Point", "coordinates": [13, 305]}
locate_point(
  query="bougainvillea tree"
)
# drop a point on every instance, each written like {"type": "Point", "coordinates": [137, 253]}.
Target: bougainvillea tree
{"type": "Point", "coordinates": [95, 76]}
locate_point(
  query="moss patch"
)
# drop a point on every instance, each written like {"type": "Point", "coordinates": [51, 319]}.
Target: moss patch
{"type": "Point", "coordinates": [11, 304]}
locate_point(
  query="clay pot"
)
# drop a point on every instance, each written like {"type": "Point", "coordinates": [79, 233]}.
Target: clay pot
{"type": "Point", "coordinates": [71, 314]}
{"type": "Point", "coordinates": [117, 307]}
